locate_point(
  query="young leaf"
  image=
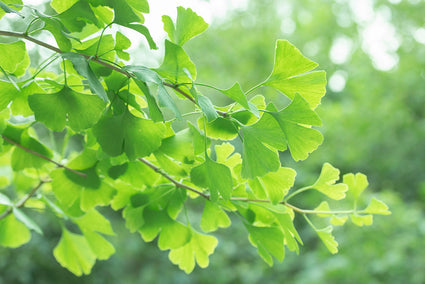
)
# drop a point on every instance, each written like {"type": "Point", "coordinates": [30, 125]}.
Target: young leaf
{"type": "Point", "coordinates": [269, 242]}
{"type": "Point", "coordinates": [8, 9]}
{"type": "Point", "coordinates": [293, 121]}
{"type": "Point", "coordinates": [326, 183]}
{"type": "Point", "coordinates": [328, 239]}
{"type": "Point", "coordinates": [188, 25]}
{"type": "Point", "coordinates": [356, 183]}
{"type": "Point", "coordinates": [207, 107]}
{"type": "Point", "coordinates": [377, 207]}
{"type": "Point", "coordinates": [13, 233]}
{"type": "Point", "coordinates": [220, 128]}
{"type": "Point", "coordinates": [362, 220]}
{"type": "Point", "coordinates": [21, 216]}
{"type": "Point", "coordinates": [11, 56]}
{"type": "Point", "coordinates": [83, 68]}
{"type": "Point", "coordinates": [273, 185]}
{"type": "Point", "coordinates": [81, 111]}
{"type": "Point", "coordinates": [74, 253]}
{"type": "Point", "coordinates": [213, 217]}
{"type": "Point", "coordinates": [175, 60]}
{"type": "Point", "coordinates": [125, 133]}
{"type": "Point", "coordinates": [214, 176]}
{"type": "Point", "coordinates": [289, 75]}
{"type": "Point", "coordinates": [258, 159]}
{"type": "Point", "coordinates": [198, 248]}
{"type": "Point", "coordinates": [154, 111]}
{"type": "Point", "coordinates": [323, 206]}
{"type": "Point", "coordinates": [147, 75]}
{"type": "Point", "coordinates": [101, 248]}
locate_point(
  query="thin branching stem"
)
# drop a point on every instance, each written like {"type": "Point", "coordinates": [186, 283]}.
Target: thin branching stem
{"type": "Point", "coordinates": [24, 199]}
{"type": "Point", "coordinates": [42, 156]}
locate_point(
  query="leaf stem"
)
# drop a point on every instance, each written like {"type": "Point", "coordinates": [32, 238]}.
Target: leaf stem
{"type": "Point", "coordinates": [42, 156]}
{"type": "Point", "coordinates": [298, 191]}
{"type": "Point", "coordinates": [22, 202]}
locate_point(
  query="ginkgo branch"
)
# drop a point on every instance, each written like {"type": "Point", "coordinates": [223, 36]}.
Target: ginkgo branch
{"type": "Point", "coordinates": [42, 156]}
{"type": "Point", "coordinates": [97, 60]}
{"type": "Point", "coordinates": [175, 182]}
{"type": "Point", "coordinates": [24, 199]}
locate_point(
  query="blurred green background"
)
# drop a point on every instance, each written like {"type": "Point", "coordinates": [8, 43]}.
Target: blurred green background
{"type": "Point", "coordinates": [373, 116]}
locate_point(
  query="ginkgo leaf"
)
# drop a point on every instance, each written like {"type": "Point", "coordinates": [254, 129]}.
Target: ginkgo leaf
{"type": "Point", "coordinates": [13, 233]}
{"type": "Point", "coordinates": [27, 221]}
{"type": "Point", "coordinates": [356, 183]}
{"type": "Point", "coordinates": [213, 217]}
{"type": "Point", "coordinates": [188, 25]}
{"type": "Point", "coordinates": [175, 61]}
{"type": "Point", "coordinates": [11, 56]}
{"type": "Point", "coordinates": [214, 176]}
{"type": "Point", "coordinates": [207, 107]}
{"type": "Point", "coordinates": [101, 248]}
{"type": "Point", "coordinates": [154, 111]}
{"type": "Point", "coordinates": [257, 158]}
{"type": "Point", "coordinates": [328, 239]}
{"type": "Point", "coordinates": [81, 111]}
{"type": "Point", "coordinates": [8, 9]}
{"type": "Point", "coordinates": [292, 238]}
{"type": "Point", "coordinates": [295, 121]}
{"type": "Point", "coordinates": [324, 207]}
{"type": "Point", "coordinates": [219, 128]}
{"type": "Point", "coordinates": [197, 249]}
{"type": "Point", "coordinates": [338, 220]}
{"type": "Point", "coordinates": [147, 75]}
{"type": "Point", "coordinates": [326, 183]}
{"type": "Point", "coordinates": [377, 207]}
{"type": "Point", "coordinates": [269, 242]}
{"type": "Point", "coordinates": [83, 68]}
{"type": "Point", "coordinates": [273, 185]}
{"type": "Point", "coordinates": [362, 220]}
{"type": "Point", "coordinates": [74, 253]}
{"type": "Point", "coordinates": [289, 74]}
{"type": "Point", "coordinates": [61, 6]}
{"type": "Point", "coordinates": [125, 133]}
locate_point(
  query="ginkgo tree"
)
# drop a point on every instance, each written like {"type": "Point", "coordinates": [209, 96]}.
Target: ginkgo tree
{"type": "Point", "coordinates": [87, 129]}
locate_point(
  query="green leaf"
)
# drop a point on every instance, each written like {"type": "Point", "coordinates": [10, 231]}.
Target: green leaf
{"type": "Point", "coordinates": [257, 158]}
{"type": "Point", "coordinates": [273, 185]}
{"type": "Point", "coordinates": [13, 233]}
{"type": "Point", "coordinates": [61, 6]}
{"type": "Point", "coordinates": [22, 159]}
{"type": "Point", "coordinates": [198, 248]}
{"type": "Point", "coordinates": [326, 183]}
{"type": "Point", "coordinates": [236, 94]}
{"type": "Point", "coordinates": [295, 121]}
{"type": "Point", "coordinates": [125, 133]}
{"type": "Point", "coordinates": [21, 216]}
{"type": "Point", "coordinates": [81, 111]}
{"type": "Point", "coordinates": [292, 238]}
{"type": "Point", "coordinates": [328, 239]}
{"type": "Point", "coordinates": [147, 75]}
{"type": "Point", "coordinates": [74, 253]}
{"type": "Point", "coordinates": [213, 217]}
{"type": "Point", "coordinates": [356, 183]}
{"type": "Point", "coordinates": [362, 220]}
{"type": "Point", "coordinates": [11, 57]}
{"type": "Point", "coordinates": [214, 176]}
{"type": "Point", "coordinates": [7, 8]}
{"type": "Point", "coordinates": [18, 97]}
{"type": "Point", "coordinates": [338, 220]}
{"type": "Point", "coordinates": [269, 242]}
{"type": "Point", "coordinates": [188, 25]}
{"type": "Point", "coordinates": [83, 68]}
{"type": "Point", "coordinates": [99, 245]}
{"type": "Point", "coordinates": [323, 206]}
{"type": "Point", "coordinates": [179, 146]}
{"type": "Point", "coordinates": [94, 221]}
{"type": "Point", "coordinates": [289, 75]}
{"type": "Point", "coordinates": [143, 30]}
{"type": "Point", "coordinates": [377, 207]}
{"type": "Point", "coordinates": [154, 111]}
{"type": "Point", "coordinates": [207, 108]}
{"type": "Point", "coordinates": [4, 200]}
{"type": "Point", "coordinates": [175, 61]}
{"type": "Point", "coordinates": [220, 128]}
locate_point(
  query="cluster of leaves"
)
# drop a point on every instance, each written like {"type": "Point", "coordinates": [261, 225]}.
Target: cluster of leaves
{"type": "Point", "coordinates": [96, 133]}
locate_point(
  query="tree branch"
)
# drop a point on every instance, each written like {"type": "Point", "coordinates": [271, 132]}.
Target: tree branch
{"type": "Point", "coordinates": [97, 60]}
{"type": "Point", "coordinates": [42, 156]}
{"type": "Point", "coordinates": [24, 199]}
{"type": "Point", "coordinates": [175, 182]}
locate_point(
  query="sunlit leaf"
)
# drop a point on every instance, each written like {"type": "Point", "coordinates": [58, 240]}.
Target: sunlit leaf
{"type": "Point", "coordinates": [326, 183]}
{"type": "Point", "coordinates": [377, 207]}
{"type": "Point", "coordinates": [213, 217]}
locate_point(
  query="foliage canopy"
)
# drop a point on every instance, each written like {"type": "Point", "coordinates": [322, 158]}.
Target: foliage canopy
{"type": "Point", "coordinates": [99, 132]}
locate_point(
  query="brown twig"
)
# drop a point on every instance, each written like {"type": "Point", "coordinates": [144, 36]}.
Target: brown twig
{"type": "Point", "coordinates": [22, 202]}
{"type": "Point", "coordinates": [42, 156]}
